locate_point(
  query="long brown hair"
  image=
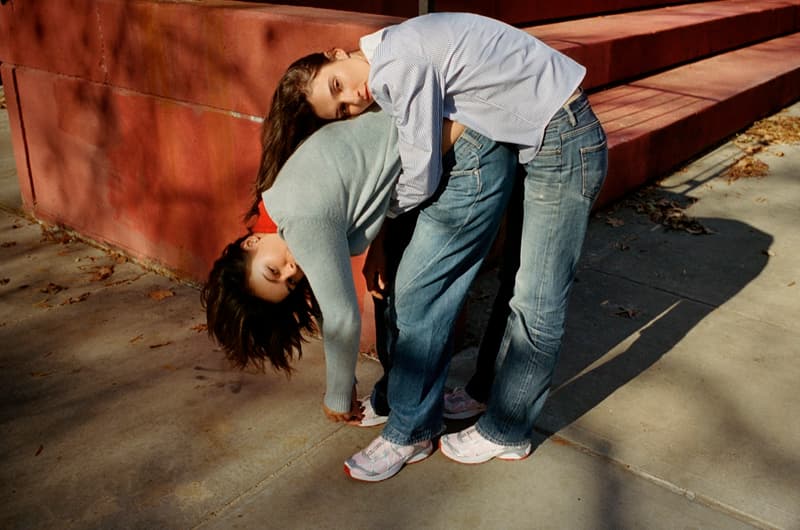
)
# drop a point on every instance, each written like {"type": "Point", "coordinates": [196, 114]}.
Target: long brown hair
{"type": "Point", "coordinates": [290, 120]}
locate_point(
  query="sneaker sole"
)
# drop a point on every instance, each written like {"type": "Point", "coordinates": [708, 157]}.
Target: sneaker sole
{"type": "Point", "coordinates": [378, 420]}
{"type": "Point", "coordinates": [419, 457]}
{"type": "Point", "coordinates": [517, 453]}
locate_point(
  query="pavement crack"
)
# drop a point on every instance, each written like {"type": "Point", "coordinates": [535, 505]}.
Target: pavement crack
{"type": "Point", "coordinates": [692, 496]}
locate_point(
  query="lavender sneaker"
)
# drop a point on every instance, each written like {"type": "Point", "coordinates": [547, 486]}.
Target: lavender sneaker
{"type": "Point", "coordinates": [382, 459]}
{"type": "Point", "coordinates": [458, 405]}
{"type": "Point", "coordinates": [470, 447]}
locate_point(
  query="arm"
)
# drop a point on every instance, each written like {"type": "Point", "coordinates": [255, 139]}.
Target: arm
{"type": "Point", "coordinates": [412, 94]}
{"type": "Point", "coordinates": [321, 249]}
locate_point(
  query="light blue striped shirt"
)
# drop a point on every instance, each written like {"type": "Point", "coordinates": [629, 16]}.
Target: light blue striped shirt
{"type": "Point", "coordinates": [493, 78]}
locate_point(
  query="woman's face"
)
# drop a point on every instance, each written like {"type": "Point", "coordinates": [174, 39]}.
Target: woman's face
{"type": "Point", "coordinates": [273, 272]}
{"type": "Point", "coordinates": [339, 90]}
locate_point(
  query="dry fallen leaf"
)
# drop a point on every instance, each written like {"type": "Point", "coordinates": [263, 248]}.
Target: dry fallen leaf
{"type": "Point", "coordinates": [614, 221]}
{"type": "Point", "coordinates": [52, 288]}
{"type": "Point", "coordinates": [137, 338]}
{"type": "Point", "coordinates": [160, 344]}
{"type": "Point", "coordinates": [200, 328]}
{"type": "Point", "coordinates": [626, 312]}
{"type": "Point", "coordinates": [76, 299]}
{"type": "Point", "coordinates": [792, 284]}
{"type": "Point", "coordinates": [160, 294]}
{"type": "Point", "coordinates": [101, 273]}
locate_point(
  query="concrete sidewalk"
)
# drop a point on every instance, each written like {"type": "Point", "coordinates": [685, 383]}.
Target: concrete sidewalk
{"type": "Point", "coordinates": [675, 401]}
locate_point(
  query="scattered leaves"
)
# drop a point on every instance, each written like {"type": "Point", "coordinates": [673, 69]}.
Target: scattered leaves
{"type": "Point", "coordinates": [775, 129]}
{"type": "Point", "coordinates": [666, 212]}
{"type": "Point", "coordinates": [160, 294]}
{"type": "Point", "coordinates": [76, 299]}
{"type": "Point", "coordinates": [747, 167]}
{"type": "Point", "coordinates": [56, 234]}
{"type": "Point", "coordinates": [52, 288]}
{"type": "Point", "coordinates": [200, 328]}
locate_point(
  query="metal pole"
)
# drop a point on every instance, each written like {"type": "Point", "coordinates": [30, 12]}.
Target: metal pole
{"type": "Point", "coordinates": [426, 6]}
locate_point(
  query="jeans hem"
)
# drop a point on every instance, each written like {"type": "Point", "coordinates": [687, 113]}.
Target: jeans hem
{"type": "Point", "coordinates": [396, 437]}
{"type": "Point", "coordinates": [498, 441]}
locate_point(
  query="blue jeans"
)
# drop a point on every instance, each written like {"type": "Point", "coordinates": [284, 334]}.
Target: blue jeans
{"type": "Point", "coordinates": [561, 184]}
{"type": "Point", "coordinates": [453, 234]}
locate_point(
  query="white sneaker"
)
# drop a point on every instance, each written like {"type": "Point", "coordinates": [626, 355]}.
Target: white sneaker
{"type": "Point", "coordinates": [470, 447]}
{"type": "Point", "coordinates": [382, 459]}
{"type": "Point", "coordinates": [458, 405]}
{"type": "Point", "coordinates": [370, 417]}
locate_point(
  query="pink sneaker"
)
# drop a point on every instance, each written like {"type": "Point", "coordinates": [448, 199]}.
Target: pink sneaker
{"type": "Point", "coordinates": [470, 447]}
{"type": "Point", "coordinates": [458, 405]}
{"type": "Point", "coordinates": [382, 459]}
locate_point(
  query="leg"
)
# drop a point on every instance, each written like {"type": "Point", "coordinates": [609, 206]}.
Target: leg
{"type": "Point", "coordinates": [453, 234]}
{"type": "Point", "coordinates": [480, 383]}
{"type": "Point", "coordinates": [398, 234]}
{"type": "Point", "coordinates": [560, 187]}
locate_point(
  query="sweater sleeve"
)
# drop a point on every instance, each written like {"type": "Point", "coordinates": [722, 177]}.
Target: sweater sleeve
{"type": "Point", "coordinates": [321, 249]}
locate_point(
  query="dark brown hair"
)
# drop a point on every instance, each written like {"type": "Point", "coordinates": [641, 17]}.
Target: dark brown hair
{"type": "Point", "coordinates": [290, 120]}
{"type": "Point", "coordinates": [253, 331]}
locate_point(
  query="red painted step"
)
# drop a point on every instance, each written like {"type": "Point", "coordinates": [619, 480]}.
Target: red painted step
{"type": "Point", "coordinates": [628, 45]}
{"type": "Point", "coordinates": [656, 123]}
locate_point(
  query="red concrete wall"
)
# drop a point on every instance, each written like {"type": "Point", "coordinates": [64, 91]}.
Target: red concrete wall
{"type": "Point", "coordinates": [139, 116]}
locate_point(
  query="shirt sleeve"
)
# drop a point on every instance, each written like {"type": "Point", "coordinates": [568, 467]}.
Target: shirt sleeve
{"type": "Point", "coordinates": [411, 92]}
{"type": "Point", "coordinates": [321, 249]}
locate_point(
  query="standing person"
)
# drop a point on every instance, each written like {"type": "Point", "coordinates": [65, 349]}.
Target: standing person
{"type": "Point", "coordinates": [510, 87]}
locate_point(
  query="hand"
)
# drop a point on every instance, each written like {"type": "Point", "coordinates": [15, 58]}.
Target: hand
{"type": "Point", "coordinates": [374, 270]}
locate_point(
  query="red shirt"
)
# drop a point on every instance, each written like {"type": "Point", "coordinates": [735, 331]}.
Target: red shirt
{"type": "Point", "coordinates": [264, 223]}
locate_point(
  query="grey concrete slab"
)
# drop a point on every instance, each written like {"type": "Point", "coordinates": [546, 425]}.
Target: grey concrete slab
{"type": "Point", "coordinates": [40, 272]}
{"type": "Point", "coordinates": [714, 414]}
{"type": "Point", "coordinates": [557, 487]}
{"type": "Point", "coordinates": [118, 412]}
